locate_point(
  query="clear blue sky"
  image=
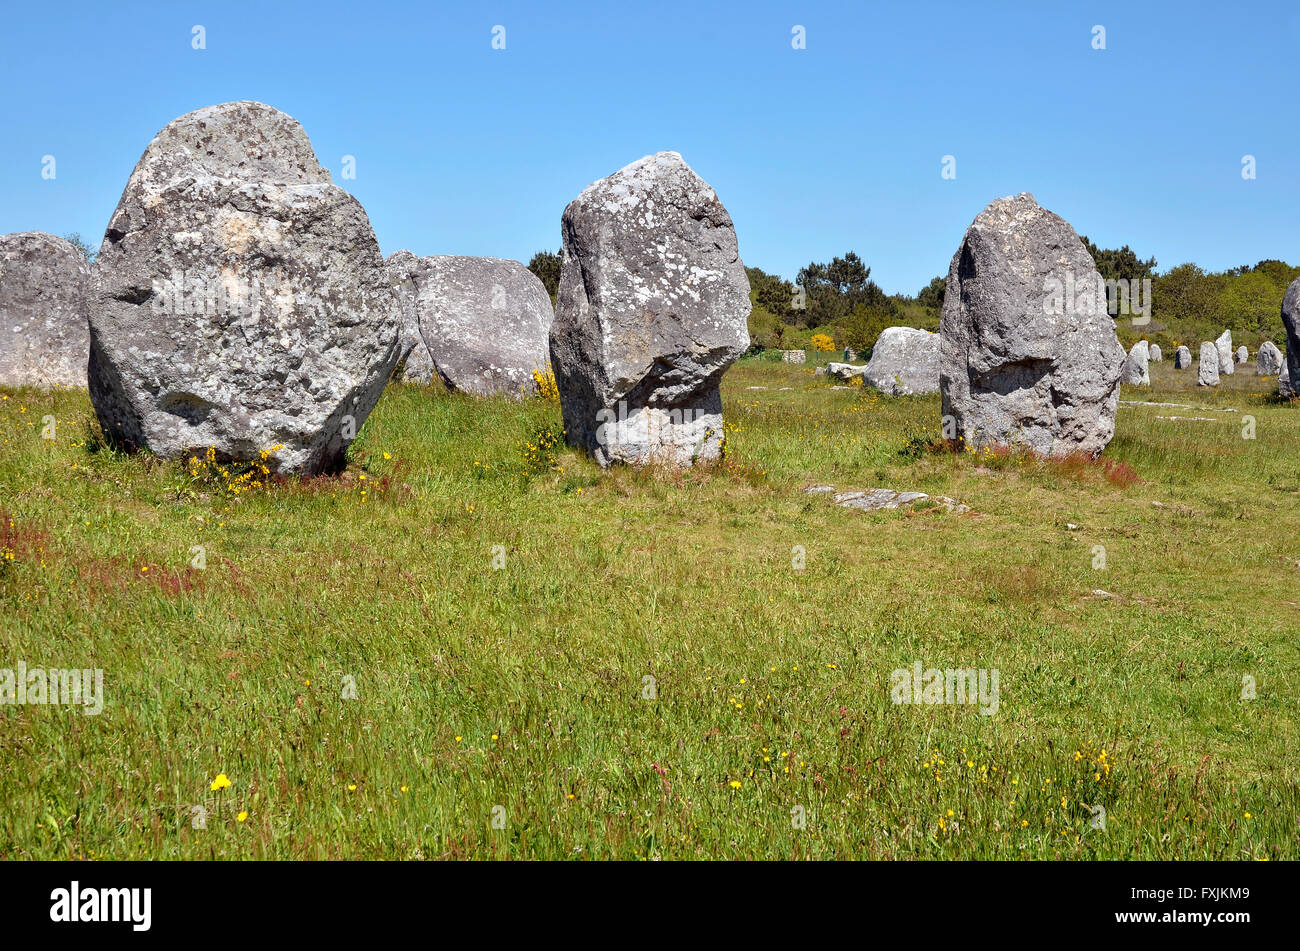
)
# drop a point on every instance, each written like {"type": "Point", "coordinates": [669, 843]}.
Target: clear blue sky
{"type": "Point", "coordinates": [463, 149]}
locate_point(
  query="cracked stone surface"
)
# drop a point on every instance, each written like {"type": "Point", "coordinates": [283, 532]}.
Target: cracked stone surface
{"type": "Point", "coordinates": [651, 311]}
{"type": "Point", "coordinates": [1028, 354]}
{"type": "Point", "coordinates": [239, 300]}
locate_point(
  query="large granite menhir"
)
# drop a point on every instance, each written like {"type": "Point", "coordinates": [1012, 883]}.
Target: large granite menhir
{"type": "Point", "coordinates": [44, 329]}
{"type": "Point", "coordinates": [652, 309]}
{"type": "Point", "coordinates": [1028, 354]}
{"type": "Point", "coordinates": [240, 300]}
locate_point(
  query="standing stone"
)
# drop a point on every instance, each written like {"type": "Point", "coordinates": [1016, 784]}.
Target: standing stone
{"type": "Point", "coordinates": [794, 356]}
{"type": "Point", "coordinates": [1182, 358]}
{"type": "Point", "coordinates": [1207, 370]}
{"type": "Point", "coordinates": [1027, 351]}
{"type": "Point", "coordinates": [1242, 354]}
{"type": "Point", "coordinates": [1224, 348]}
{"type": "Point", "coordinates": [1136, 370]}
{"type": "Point", "coordinates": [1291, 321]}
{"type": "Point", "coordinates": [651, 311]}
{"type": "Point", "coordinates": [414, 365]}
{"type": "Point", "coordinates": [484, 323]}
{"type": "Point", "coordinates": [904, 362]}
{"type": "Point", "coordinates": [1268, 362]}
{"type": "Point", "coordinates": [1284, 382]}
{"type": "Point", "coordinates": [1156, 355]}
{"type": "Point", "coordinates": [44, 329]}
{"type": "Point", "coordinates": [240, 300]}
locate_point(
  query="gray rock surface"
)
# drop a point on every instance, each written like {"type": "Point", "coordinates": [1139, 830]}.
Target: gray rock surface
{"type": "Point", "coordinates": [485, 323]}
{"type": "Point", "coordinates": [1028, 354]}
{"type": "Point", "coordinates": [1182, 358]}
{"type": "Point", "coordinates": [843, 371]}
{"type": "Point", "coordinates": [904, 362]}
{"type": "Point", "coordinates": [1269, 360]}
{"type": "Point", "coordinates": [794, 356]}
{"type": "Point", "coordinates": [1284, 381]}
{"type": "Point", "coordinates": [1207, 368]}
{"type": "Point", "coordinates": [1291, 321]}
{"type": "Point", "coordinates": [240, 300]}
{"type": "Point", "coordinates": [1136, 369]}
{"type": "Point", "coordinates": [1242, 354]}
{"type": "Point", "coordinates": [414, 365]}
{"type": "Point", "coordinates": [1223, 346]}
{"type": "Point", "coordinates": [651, 311]}
{"type": "Point", "coordinates": [1155, 354]}
{"type": "Point", "coordinates": [44, 327]}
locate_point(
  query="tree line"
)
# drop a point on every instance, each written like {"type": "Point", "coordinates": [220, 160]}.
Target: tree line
{"type": "Point", "coordinates": [839, 298]}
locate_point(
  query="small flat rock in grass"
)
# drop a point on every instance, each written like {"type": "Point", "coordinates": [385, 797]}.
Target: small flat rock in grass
{"type": "Point", "coordinates": [44, 325]}
{"type": "Point", "coordinates": [904, 362]}
{"type": "Point", "coordinates": [875, 500]}
{"type": "Point", "coordinates": [1223, 346]}
{"type": "Point", "coordinates": [843, 371]}
{"type": "Point", "coordinates": [651, 311]}
{"type": "Point", "coordinates": [1182, 358]}
{"type": "Point", "coordinates": [1268, 362]}
{"type": "Point", "coordinates": [1207, 369]}
{"type": "Point", "coordinates": [1156, 354]}
{"type": "Point", "coordinates": [1291, 321]}
{"type": "Point", "coordinates": [1028, 354]}
{"type": "Point", "coordinates": [239, 300]}
{"type": "Point", "coordinates": [485, 323]}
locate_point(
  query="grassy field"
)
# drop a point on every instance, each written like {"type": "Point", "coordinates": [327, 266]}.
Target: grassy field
{"type": "Point", "coordinates": [501, 704]}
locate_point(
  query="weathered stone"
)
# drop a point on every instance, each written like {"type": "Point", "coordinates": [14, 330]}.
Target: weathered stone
{"type": "Point", "coordinates": [1028, 354]}
{"type": "Point", "coordinates": [794, 356]}
{"type": "Point", "coordinates": [904, 362]}
{"type": "Point", "coordinates": [843, 371]}
{"type": "Point", "coordinates": [1136, 370]}
{"type": "Point", "coordinates": [44, 330]}
{"type": "Point", "coordinates": [1207, 368]}
{"type": "Point", "coordinates": [1291, 321]}
{"type": "Point", "coordinates": [1269, 360]}
{"type": "Point", "coordinates": [1242, 354]}
{"type": "Point", "coordinates": [1156, 355]}
{"type": "Point", "coordinates": [484, 322]}
{"type": "Point", "coordinates": [877, 500]}
{"type": "Point", "coordinates": [651, 311]}
{"type": "Point", "coordinates": [1182, 358]}
{"type": "Point", "coordinates": [1223, 346]}
{"type": "Point", "coordinates": [240, 300]}
{"type": "Point", "coordinates": [851, 355]}
{"type": "Point", "coordinates": [414, 365]}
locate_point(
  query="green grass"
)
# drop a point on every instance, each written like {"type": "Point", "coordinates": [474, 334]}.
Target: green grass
{"type": "Point", "coordinates": [523, 687]}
